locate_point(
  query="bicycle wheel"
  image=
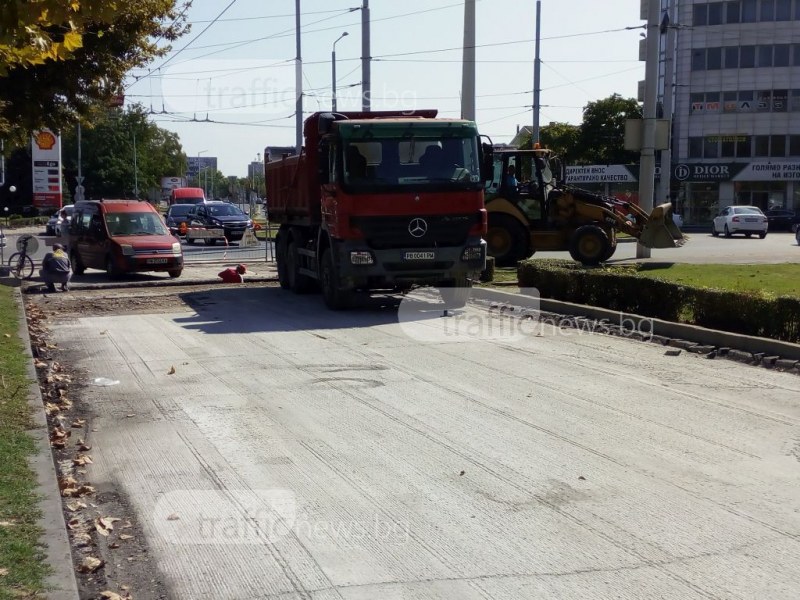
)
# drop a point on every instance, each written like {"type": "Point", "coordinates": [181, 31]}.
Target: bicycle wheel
{"type": "Point", "coordinates": [21, 265]}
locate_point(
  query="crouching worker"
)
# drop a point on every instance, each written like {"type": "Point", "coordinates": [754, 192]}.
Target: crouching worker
{"type": "Point", "coordinates": [233, 274]}
{"type": "Point", "coordinates": [56, 268]}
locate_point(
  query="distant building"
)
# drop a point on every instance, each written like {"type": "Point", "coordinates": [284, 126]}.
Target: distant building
{"type": "Point", "coordinates": [196, 164]}
{"type": "Point", "coordinates": [736, 124]}
{"type": "Point", "coordinates": [255, 169]}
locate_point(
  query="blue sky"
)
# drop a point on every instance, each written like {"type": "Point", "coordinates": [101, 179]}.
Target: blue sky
{"type": "Point", "coordinates": [236, 78]}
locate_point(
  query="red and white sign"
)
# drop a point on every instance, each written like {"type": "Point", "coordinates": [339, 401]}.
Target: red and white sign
{"type": "Point", "coordinates": [46, 154]}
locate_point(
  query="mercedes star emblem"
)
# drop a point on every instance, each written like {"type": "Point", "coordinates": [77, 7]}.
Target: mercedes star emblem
{"type": "Point", "coordinates": [417, 227]}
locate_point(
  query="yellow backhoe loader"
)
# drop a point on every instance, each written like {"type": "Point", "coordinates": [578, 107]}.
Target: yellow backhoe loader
{"type": "Point", "coordinates": [544, 214]}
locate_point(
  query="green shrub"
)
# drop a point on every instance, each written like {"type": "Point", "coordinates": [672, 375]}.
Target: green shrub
{"type": "Point", "coordinates": [620, 288]}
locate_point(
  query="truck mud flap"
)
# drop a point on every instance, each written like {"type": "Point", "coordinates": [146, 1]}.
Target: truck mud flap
{"type": "Point", "coordinates": [661, 231]}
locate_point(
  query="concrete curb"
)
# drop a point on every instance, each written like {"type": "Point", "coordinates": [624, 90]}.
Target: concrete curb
{"type": "Point", "coordinates": [664, 331]}
{"type": "Point", "coordinates": [163, 283]}
{"type": "Point", "coordinates": [61, 583]}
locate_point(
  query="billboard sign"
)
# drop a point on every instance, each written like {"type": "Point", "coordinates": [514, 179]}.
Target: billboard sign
{"type": "Point", "coordinates": [46, 158]}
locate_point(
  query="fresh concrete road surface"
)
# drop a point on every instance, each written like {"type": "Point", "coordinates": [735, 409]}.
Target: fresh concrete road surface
{"type": "Point", "coordinates": [298, 453]}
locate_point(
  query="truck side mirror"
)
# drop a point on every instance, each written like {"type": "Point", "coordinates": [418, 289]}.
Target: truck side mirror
{"type": "Point", "coordinates": [487, 163]}
{"type": "Point", "coordinates": [323, 162]}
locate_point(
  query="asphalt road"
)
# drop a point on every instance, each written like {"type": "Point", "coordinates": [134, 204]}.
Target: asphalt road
{"type": "Point", "coordinates": [298, 453]}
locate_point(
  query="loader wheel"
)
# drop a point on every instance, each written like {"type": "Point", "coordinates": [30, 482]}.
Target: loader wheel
{"type": "Point", "coordinates": [610, 253]}
{"type": "Point", "coordinates": [506, 240]}
{"type": "Point", "coordinates": [589, 245]}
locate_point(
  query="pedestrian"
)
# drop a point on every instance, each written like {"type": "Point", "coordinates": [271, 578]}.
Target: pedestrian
{"type": "Point", "coordinates": [233, 274]}
{"type": "Point", "coordinates": [56, 268]}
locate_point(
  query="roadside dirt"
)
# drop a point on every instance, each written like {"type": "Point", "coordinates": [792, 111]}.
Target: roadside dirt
{"type": "Point", "coordinates": [110, 554]}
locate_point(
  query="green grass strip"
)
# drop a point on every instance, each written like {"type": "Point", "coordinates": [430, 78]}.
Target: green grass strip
{"type": "Point", "coordinates": [22, 566]}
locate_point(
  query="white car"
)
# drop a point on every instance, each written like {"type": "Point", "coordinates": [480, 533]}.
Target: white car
{"type": "Point", "coordinates": [62, 222]}
{"type": "Point", "coordinates": [740, 219]}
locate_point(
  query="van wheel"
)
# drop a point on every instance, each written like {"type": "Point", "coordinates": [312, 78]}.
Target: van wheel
{"type": "Point", "coordinates": [175, 273]}
{"type": "Point", "coordinates": [77, 266]}
{"type": "Point", "coordinates": [111, 269]}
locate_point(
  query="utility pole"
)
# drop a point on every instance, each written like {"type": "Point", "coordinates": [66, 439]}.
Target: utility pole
{"type": "Point", "coordinates": [333, 71]}
{"type": "Point", "coordinates": [366, 76]}
{"type": "Point", "coordinates": [468, 63]}
{"type": "Point", "coordinates": [298, 84]}
{"type": "Point", "coordinates": [647, 163]}
{"type": "Point", "coordinates": [79, 189]}
{"type": "Point", "coordinates": [668, 100]}
{"type": "Point", "coordinates": [537, 75]}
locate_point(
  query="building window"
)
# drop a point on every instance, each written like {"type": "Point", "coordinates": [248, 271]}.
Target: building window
{"type": "Point", "coordinates": [749, 11]}
{"type": "Point", "coordinates": [796, 10]}
{"type": "Point", "coordinates": [796, 52]}
{"type": "Point", "coordinates": [699, 59]}
{"type": "Point", "coordinates": [765, 56]}
{"type": "Point", "coordinates": [715, 13]}
{"type": "Point", "coordinates": [767, 10]}
{"type": "Point", "coordinates": [747, 57]}
{"type": "Point", "coordinates": [711, 148]}
{"type": "Point", "coordinates": [780, 100]}
{"type": "Point", "coordinates": [783, 10]}
{"type": "Point", "coordinates": [714, 59]}
{"type": "Point", "coordinates": [732, 11]}
{"type": "Point", "coordinates": [762, 145]}
{"type": "Point", "coordinates": [695, 147]}
{"type": "Point", "coordinates": [732, 57]}
{"type": "Point", "coordinates": [727, 149]}
{"type": "Point", "coordinates": [777, 145]}
{"type": "Point", "coordinates": [794, 100]}
{"type": "Point", "coordinates": [782, 55]}
{"type": "Point", "coordinates": [700, 15]}
{"type": "Point", "coordinates": [794, 145]}
{"type": "Point", "coordinates": [744, 147]}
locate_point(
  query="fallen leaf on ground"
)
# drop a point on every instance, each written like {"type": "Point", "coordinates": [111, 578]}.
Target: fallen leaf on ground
{"type": "Point", "coordinates": [130, 415]}
{"type": "Point", "coordinates": [90, 564]}
{"type": "Point", "coordinates": [78, 423]}
{"type": "Point", "coordinates": [125, 536]}
{"type": "Point", "coordinates": [8, 335]}
{"type": "Point", "coordinates": [67, 482]}
{"type": "Point", "coordinates": [81, 460]}
{"type": "Point", "coordinates": [82, 540]}
{"type": "Point", "coordinates": [171, 371]}
{"type": "Point", "coordinates": [75, 506]}
{"type": "Point", "coordinates": [104, 525]}
{"type": "Point", "coordinates": [173, 517]}
{"type": "Point", "coordinates": [107, 595]}
{"type": "Point", "coordinates": [74, 523]}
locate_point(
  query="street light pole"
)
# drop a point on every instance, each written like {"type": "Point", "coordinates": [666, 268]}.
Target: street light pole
{"type": "Point", "coordinates": [333, 69]}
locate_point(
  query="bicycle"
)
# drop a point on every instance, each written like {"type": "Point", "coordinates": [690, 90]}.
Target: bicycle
{"type": "Point", "coordinates": [20, 263]}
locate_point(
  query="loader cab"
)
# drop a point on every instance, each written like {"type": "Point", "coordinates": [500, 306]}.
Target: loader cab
{"type": "Point", "coordinates": [519, 176]}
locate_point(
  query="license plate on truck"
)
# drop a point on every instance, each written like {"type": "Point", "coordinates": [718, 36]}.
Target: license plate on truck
{"type": "Point", "coordinates": [419, 256]}
{"type": "Point", "coordinates": [157, 261]}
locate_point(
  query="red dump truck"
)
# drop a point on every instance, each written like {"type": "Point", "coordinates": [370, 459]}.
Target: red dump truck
{"type": "Point", "coordinates": [380, 201]}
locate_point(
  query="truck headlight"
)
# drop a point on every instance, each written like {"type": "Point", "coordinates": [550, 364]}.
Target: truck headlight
{"type": "Point", "coordinates": [361, 258]}
{"type": "Point", "coordinates": [472, 253]}
{"type": "Point", "coordinates": [176, 249]}
{"type": "Point", "coordinates": [127, 250]}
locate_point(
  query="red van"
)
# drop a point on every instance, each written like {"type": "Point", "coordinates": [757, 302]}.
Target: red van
{"type": "Point", "coordinates": [122, 236]}
{"type": "Point", "coordinates": [187, 195]}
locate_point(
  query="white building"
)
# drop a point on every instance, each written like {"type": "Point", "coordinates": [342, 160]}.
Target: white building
{"type": "Point", "coordinates": [736, 121]}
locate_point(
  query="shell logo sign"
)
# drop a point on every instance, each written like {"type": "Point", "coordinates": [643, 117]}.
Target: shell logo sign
{"type": "Point", "coordinates": [45, 140]}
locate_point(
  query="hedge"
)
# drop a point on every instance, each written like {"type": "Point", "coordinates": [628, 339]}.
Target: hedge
{"type": "Point", "coordinates": [623, 290]}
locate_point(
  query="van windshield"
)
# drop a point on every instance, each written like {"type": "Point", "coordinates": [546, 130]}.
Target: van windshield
{"type": "Point", "coordinates": [130, 223]}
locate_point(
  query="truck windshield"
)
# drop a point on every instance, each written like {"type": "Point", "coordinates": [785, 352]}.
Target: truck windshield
{"type": "Point", "coordinates": [423, 161]}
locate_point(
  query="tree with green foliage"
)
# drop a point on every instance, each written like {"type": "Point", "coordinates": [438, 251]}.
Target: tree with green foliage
{"type": "Point", "coordinates": [561, 138]}
{"type": "Point", "coordinates": [60, 61]}
{"type": "Point", "coordinates": [602, 132]}
{"type": "Point", "coordinates": [107, 163]}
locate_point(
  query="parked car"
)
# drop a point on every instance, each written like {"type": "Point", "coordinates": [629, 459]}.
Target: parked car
{"type": "Point", "coordinates": [740, 219]}
{"type": "Point", "coordinates": [122, 236]}
{"type": "Point", "coordinates": [220, 215]}
{"type": "Point", "coordinates": [63, 219]}
{"type": "Point", "coordinates": [177, 215]}
{"type": "Point", "coordinates": [781, 219]}
{"type": "Point", "coordinates": [50, 227]}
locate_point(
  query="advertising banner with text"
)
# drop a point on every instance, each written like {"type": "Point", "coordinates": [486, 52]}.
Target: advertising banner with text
{"type": "Point", "coordinates": [46, 158]}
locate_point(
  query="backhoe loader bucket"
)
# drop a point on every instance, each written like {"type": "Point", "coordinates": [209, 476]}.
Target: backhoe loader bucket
{"type": "Point", "coordinates": [660, 230]}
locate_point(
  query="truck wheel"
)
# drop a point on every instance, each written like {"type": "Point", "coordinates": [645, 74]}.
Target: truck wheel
{"type": "Point", "coordinates": [298, 283]}
{"type": "Point", "coordinates": [507, 240]}
{"type": "Point", "coordinates": [280, 259]}
{"type": "Point", "coordinates": [589, 245]}
{"type": "Point", "coordinates": [456, 293]}
{"type": "Point", "coordinates": [335, 298]}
